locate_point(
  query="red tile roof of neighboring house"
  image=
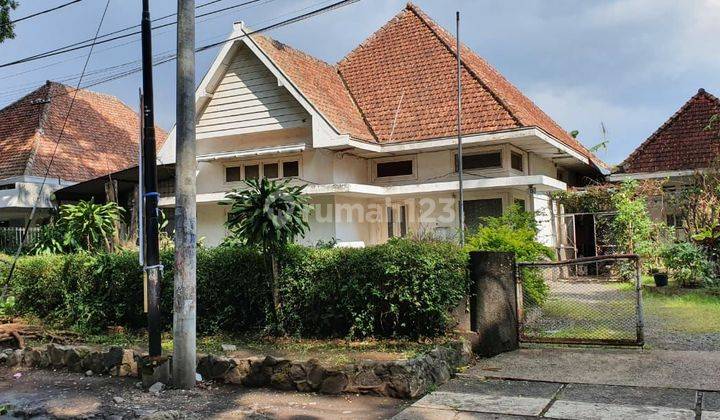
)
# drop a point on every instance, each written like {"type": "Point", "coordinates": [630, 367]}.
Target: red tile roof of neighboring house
{"type": "Point", "coordinates": [101, 134]}
{"type": "Point", "coordinates": [400, 85]}
{"type": "Point", "coordinates": [684, 142]}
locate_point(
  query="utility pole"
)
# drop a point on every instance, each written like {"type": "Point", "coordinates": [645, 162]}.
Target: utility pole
{"type": "Point", "coordinates": [461, 209]}
{"type": "Point", "coordinates": [152, 247]}
{"type": "Point", "coordinates": [184, 302]}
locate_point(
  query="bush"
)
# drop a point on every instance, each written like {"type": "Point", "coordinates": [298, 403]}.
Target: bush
{"type": "Point", "coordinates": [516, 232]}
{"type": "Point", "coordinates": [401, 289]}
{"type": "Point", "coordinates": [689, 264]}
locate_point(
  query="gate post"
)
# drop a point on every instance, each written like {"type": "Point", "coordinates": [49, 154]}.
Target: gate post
{"type": "Point", "coordinates": [493, 302]}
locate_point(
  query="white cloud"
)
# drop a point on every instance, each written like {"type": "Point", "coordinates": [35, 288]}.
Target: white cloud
{"type": "Point", "coordinates": [583, 109]}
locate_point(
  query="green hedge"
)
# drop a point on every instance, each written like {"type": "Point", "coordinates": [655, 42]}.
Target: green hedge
{"type": "Point", "coordinates": [400, 289]}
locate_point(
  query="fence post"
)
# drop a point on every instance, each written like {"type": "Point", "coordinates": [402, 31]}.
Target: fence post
{"type": "Point", "coordinates": [493, 302]}
{"type": "Point", "coordinates": [639, 305]}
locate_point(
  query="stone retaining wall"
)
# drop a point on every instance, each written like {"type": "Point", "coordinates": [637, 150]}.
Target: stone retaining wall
{"type": "Point", "coordinates": [398, 379]}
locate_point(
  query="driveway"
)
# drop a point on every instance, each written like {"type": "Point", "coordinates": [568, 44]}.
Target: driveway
{"type": "Point", "coordinates": [589, 383]}
{"type": "Point", "coordinates": [474, 398]}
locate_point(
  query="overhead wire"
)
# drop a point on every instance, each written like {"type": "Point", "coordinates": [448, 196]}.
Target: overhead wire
{"type": "Point", "coordinates": [42, 12]}
{"type": "Point", "coordinates": [52, 160]}
{"type": "Point", "coordinates": [171, 57]}
{"type": "Point", "coordinates": [105, 38]}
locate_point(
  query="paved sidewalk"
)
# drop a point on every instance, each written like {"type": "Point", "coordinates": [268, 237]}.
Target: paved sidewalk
{"type": "Point", "coordinates": [472, 398]}
{"type": "Point", "coordinates": [630, 367]}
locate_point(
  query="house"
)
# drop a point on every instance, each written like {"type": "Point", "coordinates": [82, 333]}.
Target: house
{"type": "Point", "coordinates": [688, 142]}
{"type": "Point", "coordinates": [100, 136]}
{"type": "Point", "coordinates": [374, 136]}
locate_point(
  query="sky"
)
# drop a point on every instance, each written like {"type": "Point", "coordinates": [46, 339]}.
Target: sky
{"type": "Point", "coordinates": [628, 64]}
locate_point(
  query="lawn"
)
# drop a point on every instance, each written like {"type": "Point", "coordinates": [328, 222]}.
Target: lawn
{"type": "Point", "coordinates": [687, 311]}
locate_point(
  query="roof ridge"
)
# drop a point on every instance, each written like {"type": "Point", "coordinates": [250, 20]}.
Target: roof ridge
{"type": "Point", "coordinates": [507, 103]}
{"type": "Point", "coordinates": [434, 28]}
{"type": "Point", "coordinates": [290, 47]}
{"type": "Point", "coordinates": [670, 120]}
{"type": "Point", "coordinates": [375, 34]}
{"type": "Point", "coordinates": [39, 131]}
{"type": "Point", "coordinates": [362, 114]}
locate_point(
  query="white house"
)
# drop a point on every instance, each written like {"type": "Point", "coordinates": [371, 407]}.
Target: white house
{"type": "Point", "coordinates": [374, 136]}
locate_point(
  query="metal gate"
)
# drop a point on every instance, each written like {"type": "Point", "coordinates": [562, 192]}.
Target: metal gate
{"type": "Point", "coordinates": [594, 300]}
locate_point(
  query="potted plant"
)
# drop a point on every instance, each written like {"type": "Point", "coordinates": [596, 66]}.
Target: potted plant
{"type": "Point", "coordinates": [661, 278]}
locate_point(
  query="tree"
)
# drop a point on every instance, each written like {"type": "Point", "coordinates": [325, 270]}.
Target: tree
{"type": "Point", "coordinates": [268, 214]}
{"type": "Point", "coordinates": [6, 27]}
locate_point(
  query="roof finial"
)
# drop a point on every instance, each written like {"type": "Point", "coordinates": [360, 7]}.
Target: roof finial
{"type": "Point", "coordinates": [701, 90]}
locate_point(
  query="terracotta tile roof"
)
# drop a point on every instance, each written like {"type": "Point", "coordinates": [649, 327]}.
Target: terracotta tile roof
{"type": "Point", "coordinates": [402, 85]}
{"type": "Point", "coordinates": [101, 135]}
{"type": "Point", "coordinates": [320, 83]}
{"type": "Point", "coordinates": [682, 142]}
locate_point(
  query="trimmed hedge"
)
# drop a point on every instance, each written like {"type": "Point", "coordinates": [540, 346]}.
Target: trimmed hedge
{"type": "Point", "coordinates": [403, 288]}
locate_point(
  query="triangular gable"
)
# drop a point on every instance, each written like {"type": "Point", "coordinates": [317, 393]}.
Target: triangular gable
{"type": "Point", "coordinates": [683, 142]}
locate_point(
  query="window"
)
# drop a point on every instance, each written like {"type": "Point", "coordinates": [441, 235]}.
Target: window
{"type": "Point", "coordinates": [397, 221]}
{"type": "Point", "coordinates": [516, 161]}
{"type": "Point", "coordinates": [403, 221]}
{"type": "Point", "coordinates": [291, 169]}
{"type": "Point", "coordinates": [481, 161]}
{"type": "Point", "coordinates": [7, 187]}
{"type": "Point", "coordinates": [520, 204]}
{"type": "Point", "coordinates": [252, 171]}
{"type": "Point", "coordinates": [390, 223]}
{"type": "Point", "coordinates": [477, 210]}
{"type": "Point", "coordinates": [232, 174]}
{"type": "Point", "coordinates": [395, 168]}
{"type": "Point", "coordinates": [270, 170]}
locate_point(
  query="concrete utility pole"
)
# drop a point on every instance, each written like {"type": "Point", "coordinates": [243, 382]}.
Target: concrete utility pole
{"type": "Point", "coordinates": [461, 206]}
{"type": "Point", "coordinates": [152, 246]}
{"type": "Point", "coordinates": [185, 302]}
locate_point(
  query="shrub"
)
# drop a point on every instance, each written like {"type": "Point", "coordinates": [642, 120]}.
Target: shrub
{"type": "Point", "coordinates": [689, 264]}
{"type": "Point", "coordinates": [515, 231]}
{"type": "Point", "coordinates": [401, 289]}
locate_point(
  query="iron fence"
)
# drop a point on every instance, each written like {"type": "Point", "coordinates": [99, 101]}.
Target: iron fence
{"type": "Point", "coordinates": [594, 300]}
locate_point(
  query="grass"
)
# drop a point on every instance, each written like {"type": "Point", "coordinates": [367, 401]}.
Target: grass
{"type": "Point", "coordinates": [694, 311]}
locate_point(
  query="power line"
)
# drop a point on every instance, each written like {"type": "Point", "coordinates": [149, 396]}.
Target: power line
{"type": "Point", "coordinates": [12, 22]}
{"type": "Point", "coordinates": [172, 57]}
{"type": "Point", "coordinates": [52, 158]}
{"type": "Point", "coordinates": [103, 39]}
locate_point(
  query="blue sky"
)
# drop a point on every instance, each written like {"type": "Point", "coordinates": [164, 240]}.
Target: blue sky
{"type": "Point", "coordinates": [627, 63]}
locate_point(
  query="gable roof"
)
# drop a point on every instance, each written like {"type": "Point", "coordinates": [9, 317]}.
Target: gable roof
{"type": "Point", "coordinates": [101, 135]}
{"type": "Point", "coordinates": [682, 142]}
{"type": "Point", "coordinates": [400, 85]}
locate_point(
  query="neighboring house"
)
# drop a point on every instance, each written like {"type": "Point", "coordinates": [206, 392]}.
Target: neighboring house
{"type": "Point", "coordinates": [374, 136]}
{"type": "Point", "coordinates": [686, 143]}
{"type": "Point", "coordinates": [100, 136]}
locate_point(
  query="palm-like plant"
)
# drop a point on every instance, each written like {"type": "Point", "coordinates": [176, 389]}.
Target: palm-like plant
{"type": "Point", "coordinates": [83, 226]}
{"type": "Point", "coordinates": [268, 214]}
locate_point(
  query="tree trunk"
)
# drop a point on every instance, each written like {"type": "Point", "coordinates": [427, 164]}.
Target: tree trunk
{"type": "Point", "coordinates": [275, 280]}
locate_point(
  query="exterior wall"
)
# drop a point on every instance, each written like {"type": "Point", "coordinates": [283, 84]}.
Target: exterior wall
{"type": "Point", "coordinates": [249, 99]}
{"type": "Point", "coordinates": [16, 203]}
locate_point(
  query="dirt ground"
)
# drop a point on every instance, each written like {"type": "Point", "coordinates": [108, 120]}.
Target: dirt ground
{"type": "Point", "coordinates": [59, 394]}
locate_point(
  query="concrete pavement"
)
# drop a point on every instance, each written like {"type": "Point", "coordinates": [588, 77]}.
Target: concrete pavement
{"type": "Point", "coordinates": [472, 398]}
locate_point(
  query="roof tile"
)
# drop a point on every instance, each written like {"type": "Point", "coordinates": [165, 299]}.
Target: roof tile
{"type": "Point", "coordinates": [99, 132]}
{"type": "Point", "coordinates": [683, 142]}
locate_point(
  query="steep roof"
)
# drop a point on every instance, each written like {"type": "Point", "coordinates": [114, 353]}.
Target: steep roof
{"type": "Point", "coordinates": [320, 83]}
{"type": "Point", "coordinates": [683, 142]}
{"type": "Point", "coordinates": [400, 85]}
{"type": "Point", "coordinates": [101, 134]}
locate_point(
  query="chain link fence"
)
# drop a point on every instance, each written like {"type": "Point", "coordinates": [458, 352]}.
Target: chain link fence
{"type": "Point", "coordinates": [595, 300]}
